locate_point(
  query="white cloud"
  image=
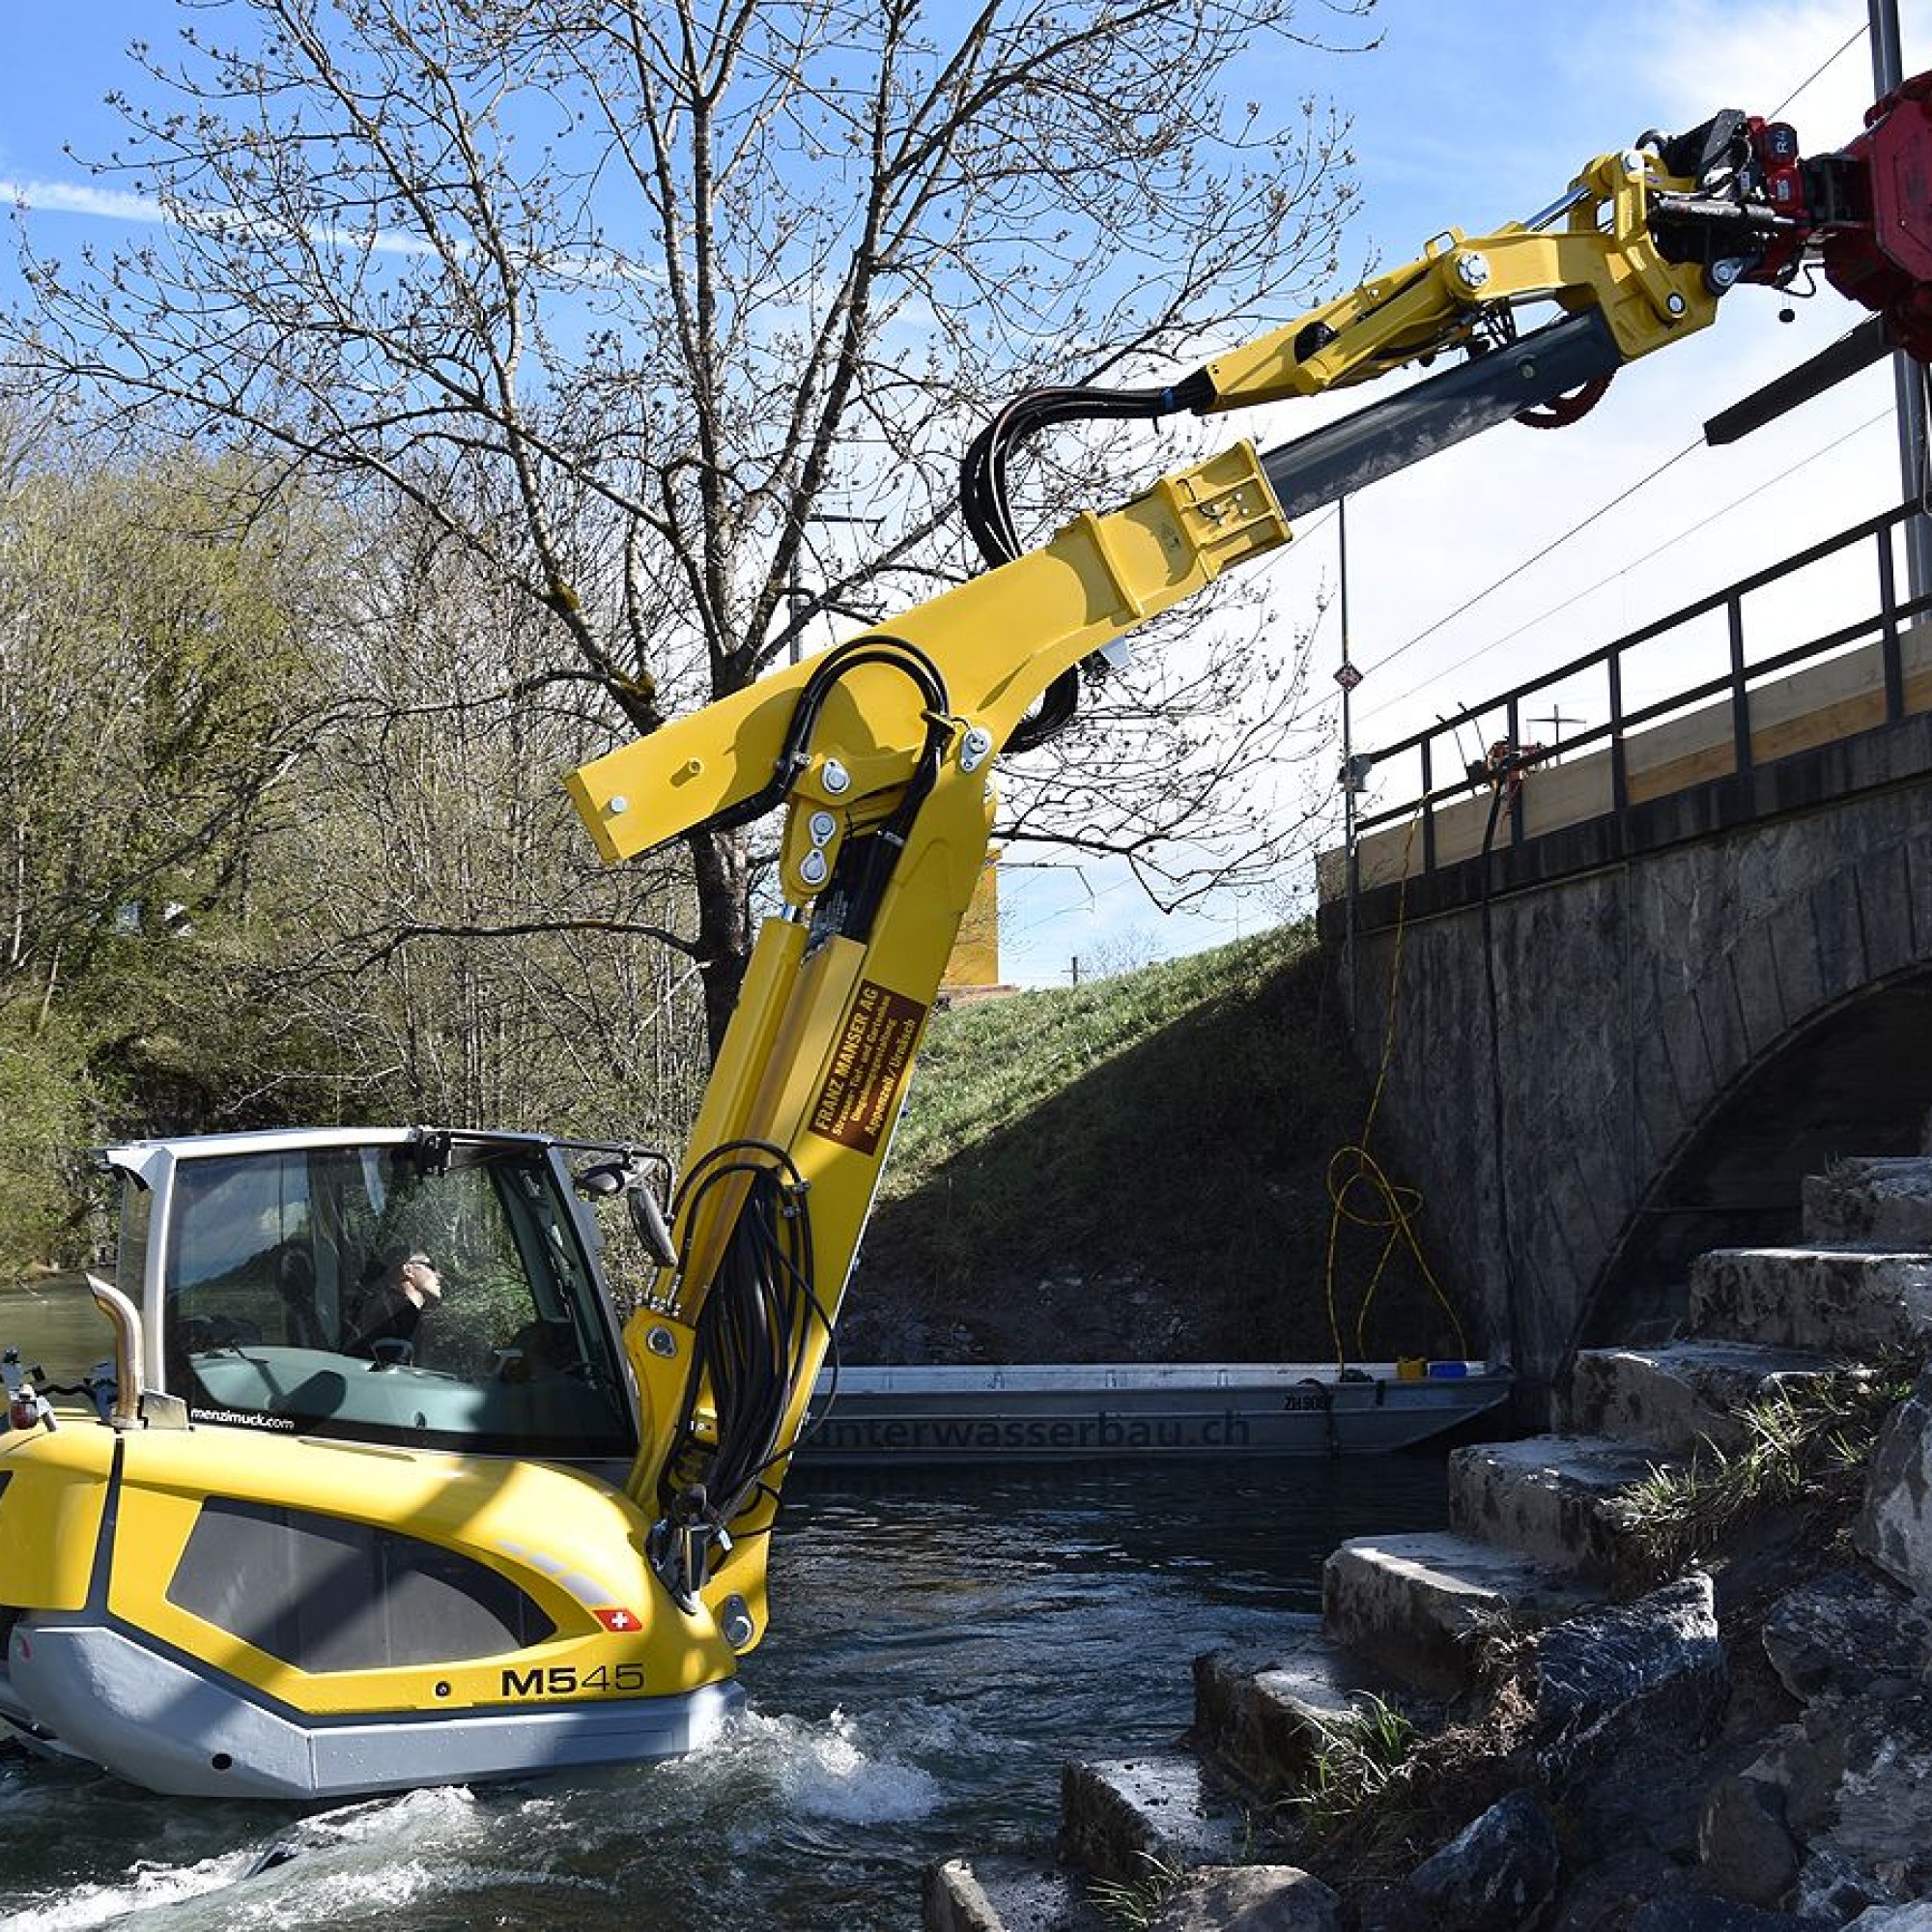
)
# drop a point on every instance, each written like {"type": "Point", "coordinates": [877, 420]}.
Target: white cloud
{"type": "Point", "coordinates": [82, 198]}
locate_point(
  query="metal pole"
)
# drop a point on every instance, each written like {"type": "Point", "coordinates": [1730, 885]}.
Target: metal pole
{"type": "Point", "coordinates": [1908, 378]}
{"type": "Point", "coordinates": [1351, 878]}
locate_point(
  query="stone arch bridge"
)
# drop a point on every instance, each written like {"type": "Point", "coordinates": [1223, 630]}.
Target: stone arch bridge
{"type": "Point", "coordinates": [1646, 981]}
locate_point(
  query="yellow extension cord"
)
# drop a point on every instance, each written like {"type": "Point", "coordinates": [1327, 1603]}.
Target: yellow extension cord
{"type": "Point", "coordinates": [1354, 1167]}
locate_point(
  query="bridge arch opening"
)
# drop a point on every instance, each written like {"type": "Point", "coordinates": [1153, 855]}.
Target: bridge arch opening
{"type": "Point", "coordinates": [1852, 1079]}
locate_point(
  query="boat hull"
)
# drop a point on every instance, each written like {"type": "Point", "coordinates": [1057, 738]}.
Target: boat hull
{"type": "Point", "coordinates": [943, 1415]}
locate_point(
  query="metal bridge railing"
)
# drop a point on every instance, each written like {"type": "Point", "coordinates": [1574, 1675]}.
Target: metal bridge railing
{"type": "Point", "coordinates": [1719, 723]}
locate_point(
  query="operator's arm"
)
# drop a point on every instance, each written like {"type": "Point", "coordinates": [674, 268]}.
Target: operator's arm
{"type": "Point", "coordinates": [881, 751]}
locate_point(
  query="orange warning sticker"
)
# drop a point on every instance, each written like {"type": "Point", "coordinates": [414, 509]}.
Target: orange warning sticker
{"type": "Point", "coordinates": [861, 1092]}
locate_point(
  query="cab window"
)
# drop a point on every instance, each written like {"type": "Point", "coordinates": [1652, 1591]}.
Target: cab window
{"type": "Point", "coordinates": [436, 1297]}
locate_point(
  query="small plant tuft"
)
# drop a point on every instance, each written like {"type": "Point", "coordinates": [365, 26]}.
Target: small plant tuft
{"type": "Point", "coordinates": [1364, 1759]}
{"type": "Point", "coordinates": [1806, 1442]}
{"type": "Point", "coordinates": [1134, 1904]}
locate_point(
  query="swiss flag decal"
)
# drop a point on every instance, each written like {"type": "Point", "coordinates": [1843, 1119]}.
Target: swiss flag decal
{"type": "Point", "coordinates": [619, 1620]}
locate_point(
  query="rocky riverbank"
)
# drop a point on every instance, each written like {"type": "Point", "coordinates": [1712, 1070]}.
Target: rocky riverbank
{"type": "Point", "coordinates": [1511, 1729]}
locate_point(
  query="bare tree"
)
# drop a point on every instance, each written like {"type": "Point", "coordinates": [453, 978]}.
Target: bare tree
{"type": "Point", "coordinates": [682, 290]}
{"type": "Point", "coordinates": [471, 961]}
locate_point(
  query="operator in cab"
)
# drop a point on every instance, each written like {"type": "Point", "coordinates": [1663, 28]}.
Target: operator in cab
{"type": "Point", "coordinates": [393, 1312]}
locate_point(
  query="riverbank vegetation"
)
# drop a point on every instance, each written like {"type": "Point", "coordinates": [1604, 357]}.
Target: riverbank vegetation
{"type": "Point", "coordinates": [1806, 1446]}
{"type": "Point", "coordinates": [284, 840]}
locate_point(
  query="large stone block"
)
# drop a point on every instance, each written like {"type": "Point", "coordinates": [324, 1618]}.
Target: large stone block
{"type": "Point", "coordinates": [1418, 1604]}
{"type": "Point", "coordinates": [1263, 1716]}
{"type": "Point", "coordinates": [1558, 1498]}
{"type": "Point", "coordinates": [1119, 1816]}
{"type": "Point", "coordinates": [1679, 1396]}
{"type": "Point", "coordinates": [1878, 1203]}
{"type": "Point", "coordinates": [1006, 1894]}
{"type": "Point", "coordinates": [1848, 1302]}
{"type": "Point", "coordinates": [1249, 1898]}
{"type": "Point", "coordinates": [1895, 1528]}
{"type": "Point", "coordinates": [1653, 1668]}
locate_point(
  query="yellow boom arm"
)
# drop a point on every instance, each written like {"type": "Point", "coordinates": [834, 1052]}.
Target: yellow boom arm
{"type": "Point", "coordinates": [881, 754]}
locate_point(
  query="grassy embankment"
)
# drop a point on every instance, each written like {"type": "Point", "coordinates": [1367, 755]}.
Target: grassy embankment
{"type": "Point", "coordinates": [1135, 1169]}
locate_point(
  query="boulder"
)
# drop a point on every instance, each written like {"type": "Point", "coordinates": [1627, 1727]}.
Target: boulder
{"type": "Point", "coordinates": [1883, 1822]}
{"type": "Point", "coordinates": [1856, 1774]}
{"type": "Point", "coordinates": [1746, 1851]}
{"type": "Point", "coordinates": [1652, 1669]}
{"type": "Point", "coordinates": [1842, 1633]}
{"type": "Point", "coordinates": [1895, 1528]}
{"type": "Point", "coordinates": [1691, 1914]}
{"type": "Point", "coordinates": [1249, 1898]}
{"type": "Point", "coordinates": [1607, 1894]}
{"type": "Point", "coordinates": [1496, 1875]}
{"type": "Point", "coordinates": [1833, 1889]}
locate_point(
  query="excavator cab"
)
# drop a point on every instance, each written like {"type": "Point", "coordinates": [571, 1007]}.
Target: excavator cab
{"type": "Point", "coordinates": [266, 1267]}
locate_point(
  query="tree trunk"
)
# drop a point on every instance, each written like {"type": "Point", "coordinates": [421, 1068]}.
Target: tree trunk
{"type": "Point", "coordinates": [722, 870]}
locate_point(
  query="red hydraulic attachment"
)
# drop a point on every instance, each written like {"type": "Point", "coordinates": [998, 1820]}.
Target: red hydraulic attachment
{"type": "Point", "coordinates": [1886, 260]}
{"type": "Point", "coordinates": [1868, 209]}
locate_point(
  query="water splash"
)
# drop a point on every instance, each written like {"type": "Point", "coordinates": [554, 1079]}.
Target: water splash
{"type": "Point", "coordinates": [357, 1864]}
{"type": "Point", "coordinates": [820, 1769]}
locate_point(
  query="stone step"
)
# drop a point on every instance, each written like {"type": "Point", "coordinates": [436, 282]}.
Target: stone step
{"type": "Point", "coordinates": [1851, 1301]}
{"type": "Point", "coordinates": [1008, 1894]}
{"type": "Point", "coordinates": [1678, 1395]}
{"type": "Point", "coordinates": [1414, 1605]}
{"type": "Point", "coordinates": [1261, 1716]}
{"type": "Point", "coordinates": [1871, 1202]}
{"type": "Point", "coordinates": [1555, 1498]}
{"type": "Point", "coordinates": [1122, 1818]}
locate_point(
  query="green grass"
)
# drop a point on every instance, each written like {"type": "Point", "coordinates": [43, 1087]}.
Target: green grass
{"type": "Point", "coordinates": [1133, 1168]}
{"type": "Point", "coordinates": [1806, 1444]}
{"type": "Point", "coordinates": [1135, 1904]}
{"type": "Point", "coordinates": [1363, 1763]}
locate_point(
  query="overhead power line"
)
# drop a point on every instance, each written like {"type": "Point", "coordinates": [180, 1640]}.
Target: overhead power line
{"type": "Point", "coordinates": [1604, 509]}
{"type": "Point", "coordinates": [1636, 563]}
{"type": "Point", "coordinates": [1831, 60]}
{"type": "Point", "coordinates": [1529, 562]}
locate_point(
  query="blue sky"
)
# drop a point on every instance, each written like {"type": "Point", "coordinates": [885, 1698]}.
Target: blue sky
{"type": "Point", "coordinates": [1470, 114]}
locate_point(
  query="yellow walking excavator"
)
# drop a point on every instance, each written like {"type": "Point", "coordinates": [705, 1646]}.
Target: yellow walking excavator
{"type": "Point", "coordinates": [376, 1494]}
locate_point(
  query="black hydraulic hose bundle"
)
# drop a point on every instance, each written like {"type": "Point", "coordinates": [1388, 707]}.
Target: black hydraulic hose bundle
{"type": "Point", "coordinates": [984, 495]}
{"type": "Point", "coordinates": [988, 505]}
{"type": "Point", "coordinates": [867, 868]}
{"type": "Point", "coordinates": [750, 1330]}
{"type": "Point", "coordinates": [748, 1351]}
{"type": "Point", "coordinates": [875, 647]}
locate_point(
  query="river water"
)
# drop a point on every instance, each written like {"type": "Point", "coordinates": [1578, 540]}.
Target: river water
{"type": "Point", "coordinates": [941, 1644]}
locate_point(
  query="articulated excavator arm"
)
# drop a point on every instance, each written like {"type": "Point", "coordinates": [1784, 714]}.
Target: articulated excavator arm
{"type": "Point", "coordinates": [881, 752]}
